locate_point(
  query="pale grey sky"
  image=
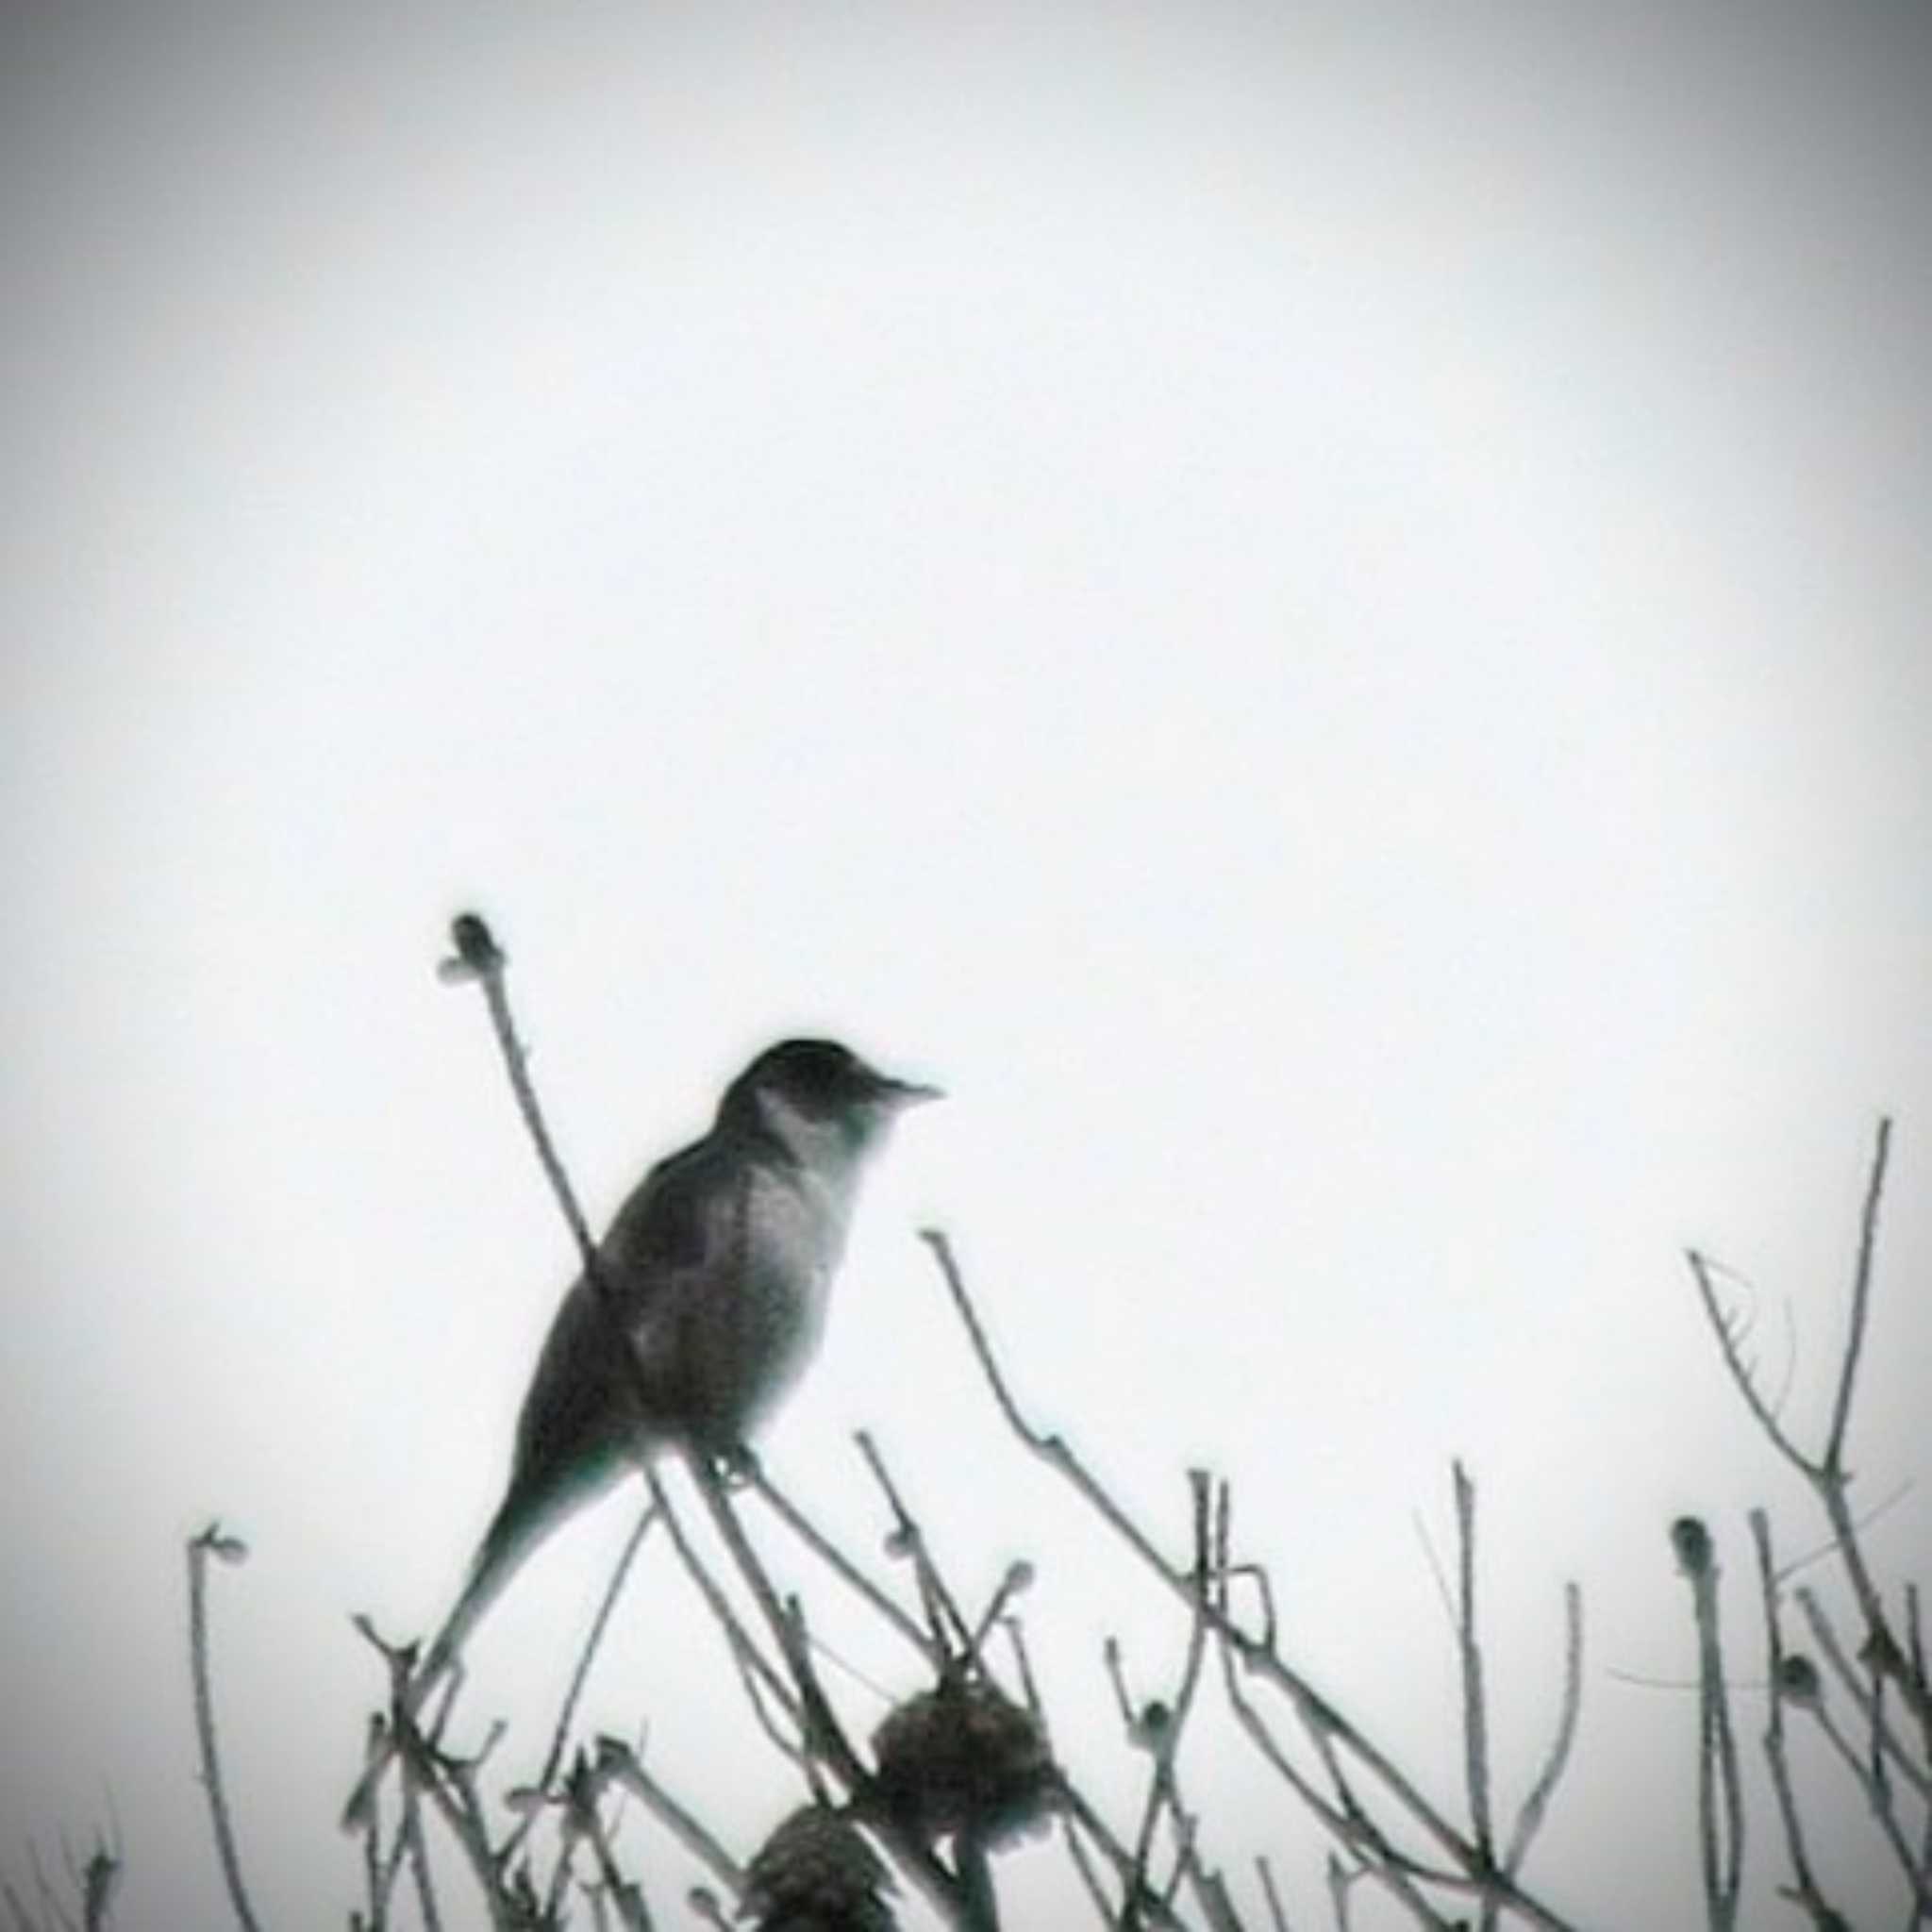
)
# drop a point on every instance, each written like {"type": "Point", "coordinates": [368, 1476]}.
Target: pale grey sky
{"type": "Point", "coordinates": [1321, 612]}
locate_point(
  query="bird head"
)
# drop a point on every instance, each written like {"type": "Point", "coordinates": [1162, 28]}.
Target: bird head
{"type": "Point", "coordinates": [819, 1098]}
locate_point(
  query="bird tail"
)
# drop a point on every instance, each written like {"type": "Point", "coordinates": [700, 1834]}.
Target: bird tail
{"type": "Point", "coordinates": [516, 1528]}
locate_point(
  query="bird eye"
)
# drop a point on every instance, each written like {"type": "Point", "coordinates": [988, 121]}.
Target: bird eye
{"type": "Point", "coordinates": [832, 1068]}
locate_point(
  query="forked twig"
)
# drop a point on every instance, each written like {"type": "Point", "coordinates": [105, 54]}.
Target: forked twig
{"type": "Point", "coordinates": [1472, 1873]}
{"type": "Point", "coordinates": [1826, 1473]}
{"type": "Point", "coordinates": [1529, 1820]}
{"type": "Point", "coordinates": [1803, 1887]}
{"type": "Point", "coordinates": [572, 1696]}
{"type": "Point", "coordinates": [1720, 1800]}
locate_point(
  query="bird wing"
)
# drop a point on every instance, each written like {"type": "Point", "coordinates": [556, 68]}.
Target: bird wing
{"type": "Point", "coordinates": [685, 1225]}
{"type": "Point", "coordinates": [682, 1228]}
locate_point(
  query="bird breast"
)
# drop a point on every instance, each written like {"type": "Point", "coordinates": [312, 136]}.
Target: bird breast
{"type": "Point", "coordinates": [794, 1241]}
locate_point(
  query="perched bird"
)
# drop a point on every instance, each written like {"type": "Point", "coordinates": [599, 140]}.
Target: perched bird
{"type": "Point", "coordinates": [707, 1300]}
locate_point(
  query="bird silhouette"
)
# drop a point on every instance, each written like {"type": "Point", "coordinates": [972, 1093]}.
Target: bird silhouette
{"type": "Point", "coordinates": [706, 1302]}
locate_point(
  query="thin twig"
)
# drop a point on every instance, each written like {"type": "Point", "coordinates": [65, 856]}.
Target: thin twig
{"type": "Point", "coordinates": [1804, 1887]}
{"type": "Point", "coordinates": [1737, 1370]}
{"type": "Point", "coordinates": [1078, 1810]}
{"type": "Point", "coordinates": [1161, 1725]}
{"type": "Point", "coordinates": [1861, 1302]}
{"type": "Point", "coordinates": [415, 1846]}
{"type": "Point", "coordinates": [1055, 1451]}
{"type": "Point", "coordinates": [1210, 1888]}
{"type": "Point", "coordinates": [752, 1663]}
{"type": "Point", "coordinates": [1262, 1660]}
{"type": "Point", "coordinates": [49, 1897]}
{"type": "Point", "coordinates": [1343, 1818]}
{"type": "Point", "coordinates": [16, 1907]}
{"type": "Point", "coordinates": [1720, 1804]}
{"type": "Point", "coordinates": [1877, 1796]}
{"type": "Point", "coordinates": [1791, 1566]}
{"type": "Point", "coordinates": [950, 1633]}
{"type": "Point", "coordinates": [836, 1560]}
{"type": "Point", "coordinates": [1278, 1916]}
{"type": "Point", "coordinates": [454, 1797]}
{"type": "Point", "coordinates": [230, 1550]}
{"type": "Point", "coordinates": [1826, 1474]}
{"type": "Point", "coordinates": [100, 1878]}
{"type": "Point", "coordinates": [583, 1824]}
{"type": "Point", "coordinates": [480, 958]}
{"type": "Point", "coordinates": [622, 1766]}
{"type": "Point", "coordinates": [1340, 1879]}
{"type": "Point", "coordinates": [1069, 1808]}
{"type": "Point", "coordinates": [1475, 1722]}
{"type": "Point", "coordinates": [1529, 1820]}
{"type": "Point", "coordinates": [825, 1738]}
{"type": "Point", "coordinates": [594, 1641]}
{"type": "Point", "coordinates": [1886, 1739]}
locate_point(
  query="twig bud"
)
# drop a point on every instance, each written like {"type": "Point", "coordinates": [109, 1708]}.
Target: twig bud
{"type": "Point", "coordinates": [1797, 1678]}
{"type": "Point", "coordinates": [477, 954]}
{"type": "Point", "coordinates": [1692, 1542]}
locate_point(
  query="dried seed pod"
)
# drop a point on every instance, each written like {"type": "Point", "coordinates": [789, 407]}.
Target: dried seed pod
{"type": "Point", "coordinates": [817, 1874]}
{"type": "Point", "coordinates": [964, 1757]}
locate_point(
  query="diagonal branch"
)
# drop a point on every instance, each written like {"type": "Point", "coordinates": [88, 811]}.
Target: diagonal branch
{"type": "Point", "coordinates": [1476, 1872]}
{"type": "Point", "coordinates": [1740, 1370]}
{"type": "Point", "coordinates": [1861, 1302]}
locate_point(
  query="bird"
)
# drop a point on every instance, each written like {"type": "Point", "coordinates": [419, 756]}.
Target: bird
{"type": "Point", "coordinates": [706, 1302]}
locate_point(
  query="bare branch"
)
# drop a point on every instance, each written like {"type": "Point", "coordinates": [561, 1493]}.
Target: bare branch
{"type": "Point", "coordinates": [1263, 1660]}
{"type": "Point", "coordinates": [1161, 1725]}
{"type": "Point", "coordinates": [1529, 1820]}
{"type": "Point", "coordinates": [756, 1668]}
{"type": "Point", "coordinates": [1861, 1302]}
{"type": "Point", "coordinates": [1805, 1887]}
{"type": "Point", "coordinates": [484, 960]}
{"type": "Point", "coordinates": [824, 1736]}
{"type": "Point", "coordinates": [1476, 1724]}
{"type": "Point", "coordinates": [835, 1559]}
{"type": "Point", "coordinates": [622, 1766]}
{"type": "Point", "coordinates": [1278, 1916]}
{"type": "Point", "coordinates": [1887, 1742]}
{"type": "Point", "coordinates": [594, 1641]}
{"type": "Point", "coordinates": [212, 1543]}
{"type": "Point", "coordinates": [949, 1632]}
{"type": "Point", "coordinates": [1739, 1372]}
{"type": "Point", "coordinates": [1720, 1801]}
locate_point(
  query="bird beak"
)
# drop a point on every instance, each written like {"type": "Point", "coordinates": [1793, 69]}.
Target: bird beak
{"type": "Point", "coordinates": [898, 1093]}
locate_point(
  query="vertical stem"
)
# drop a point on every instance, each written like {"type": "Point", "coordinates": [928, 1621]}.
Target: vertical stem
{"type": "Point", "coordinates": [198, 1551]}
{"type": "Point", "coordinates": [1475, 1724]}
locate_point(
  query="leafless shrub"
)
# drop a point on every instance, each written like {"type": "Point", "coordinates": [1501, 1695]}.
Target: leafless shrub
{"type": "Point", "coordinates": [965, 1763]}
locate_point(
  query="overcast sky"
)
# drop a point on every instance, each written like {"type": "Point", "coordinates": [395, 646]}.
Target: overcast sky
{"type": "Point", "coordinates": [1324, 620]}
